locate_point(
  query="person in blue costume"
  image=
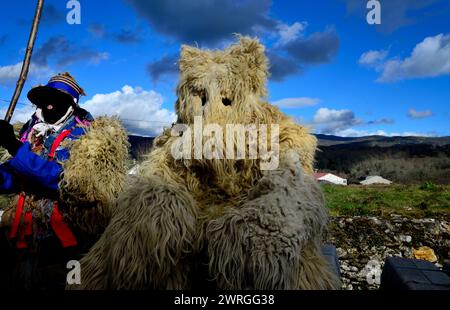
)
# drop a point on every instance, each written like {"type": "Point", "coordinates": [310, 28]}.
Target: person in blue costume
{"type": "Point", "coordinates": [39, 232]}
{"type": "Point", "coordinates": [57, 112]}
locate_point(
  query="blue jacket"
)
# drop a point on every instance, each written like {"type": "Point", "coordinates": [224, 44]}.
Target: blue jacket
{"type": "Point", "coordinates": [39, 169]}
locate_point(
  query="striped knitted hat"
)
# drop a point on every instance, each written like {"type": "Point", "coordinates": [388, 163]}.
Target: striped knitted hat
{"type": "Point", "coordinates": [60, 88]}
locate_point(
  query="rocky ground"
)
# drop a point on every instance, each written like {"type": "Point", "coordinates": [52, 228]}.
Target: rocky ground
{"type": "Point", "coordinates": [364, 242]}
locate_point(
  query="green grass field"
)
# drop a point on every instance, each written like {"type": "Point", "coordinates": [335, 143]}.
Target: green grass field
{"type": "Point", "coordinates": [408, 200]}
{"type": "Point", "coordinates": [417, 201]}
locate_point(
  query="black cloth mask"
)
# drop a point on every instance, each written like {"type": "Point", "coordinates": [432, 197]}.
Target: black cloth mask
{"type": "Point", "coordinates": [54, 114]}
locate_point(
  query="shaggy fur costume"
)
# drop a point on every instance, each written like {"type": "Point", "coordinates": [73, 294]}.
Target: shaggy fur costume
{"type": "Point", "coordinates": [93, 176]}
{"type": "Point", "coordinates": [253, 229]}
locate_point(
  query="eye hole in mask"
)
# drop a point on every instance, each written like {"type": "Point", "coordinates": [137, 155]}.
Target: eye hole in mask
{"type": "Point", "coordinates": [226, 101]}
{"type": "Point", "coordinates": [203, 99]}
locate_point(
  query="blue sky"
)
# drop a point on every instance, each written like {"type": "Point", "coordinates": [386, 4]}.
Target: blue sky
{"type": "Point", "coordinates": [331, 70]}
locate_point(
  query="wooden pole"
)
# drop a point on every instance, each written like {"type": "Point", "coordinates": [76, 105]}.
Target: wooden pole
{"type": "Point", "coordinates": [26, 61]}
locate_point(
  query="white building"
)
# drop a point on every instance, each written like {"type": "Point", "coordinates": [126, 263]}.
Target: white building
{"type": "Point", "coordinates": [375, 179]}
{"type": "Point", "coordinates": [327, 177]}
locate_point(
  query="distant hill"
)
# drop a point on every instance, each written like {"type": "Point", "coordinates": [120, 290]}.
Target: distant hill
{"type": "Point", "coordinates": [382, 140]}
{"type": "Point", "coordinates": [400, 159]}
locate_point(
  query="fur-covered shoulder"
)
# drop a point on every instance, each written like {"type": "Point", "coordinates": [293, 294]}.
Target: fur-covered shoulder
{"type": "Point", "coordinates": [96, 169]}
{"type": "Point", "coordinates": [292, 136]}
{"type": "Point", "coordinates": [296, 137]}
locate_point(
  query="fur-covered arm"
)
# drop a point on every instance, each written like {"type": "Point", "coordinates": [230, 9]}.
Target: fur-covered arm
{"type": "Point", "coordinates": [261, 244]}
{"type": "Point", "coordinates": [294, 137]}
{"type": "Point", "coordinates": [95, 173]}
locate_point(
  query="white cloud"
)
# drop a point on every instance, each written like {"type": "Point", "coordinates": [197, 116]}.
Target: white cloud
{"type": "Point", "coordinates": [296, 102]}
{"type": "Point", "coordinates": [372, 58]}
{"type": "Point", "coordinates": [429, 58]}
{"type": "Point", "coordinates": [290, 33]}
{"type": "Point", "coordinates": [330, 121]}
{"type": "Point", "coordinates": [351, 132]}
{"type": "Point", "coordinates": [140, 110]}
{"type": "Point", "coordinates": [419, 114]}
{"type": "Point", "coordinates": [324, 115]}
{"type": "Point", "coordinates": [9, 74]}
{"type": "Point", "coordinates": [8, 77]}
{"type": "Point", "coordinates": [22, 112]}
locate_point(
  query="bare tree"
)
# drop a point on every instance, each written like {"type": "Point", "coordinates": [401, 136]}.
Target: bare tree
{"type": "Point", "coordinates": [26, 61]}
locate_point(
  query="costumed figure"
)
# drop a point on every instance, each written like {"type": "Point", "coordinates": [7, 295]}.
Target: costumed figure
{"type": "Point", "coordinates": [208, 219]}
{"type": "Point", "coordinates": [66, 169]}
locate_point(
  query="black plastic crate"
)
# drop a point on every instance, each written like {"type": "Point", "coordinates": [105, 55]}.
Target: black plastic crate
{"type": "Point", "coordinates": [412, 274]}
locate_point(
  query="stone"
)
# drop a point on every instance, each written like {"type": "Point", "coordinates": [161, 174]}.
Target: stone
{"type": "Point", "coordinates": [375, 220]}
{"type": "Point", "coordinates": [445, 227]}
{"type": "Point", "coordinates": [395, 237]}
{"type": "Point", "coordinates": [389, 226]}
{"type": "Point", "coordinates": [341, 253]}
{"type": "Point", "coordinates": [425, 253]}
{"type": "Point", "coordinates": [405, 238]}
{"type": "Point", "coordinates": [345, 267]}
